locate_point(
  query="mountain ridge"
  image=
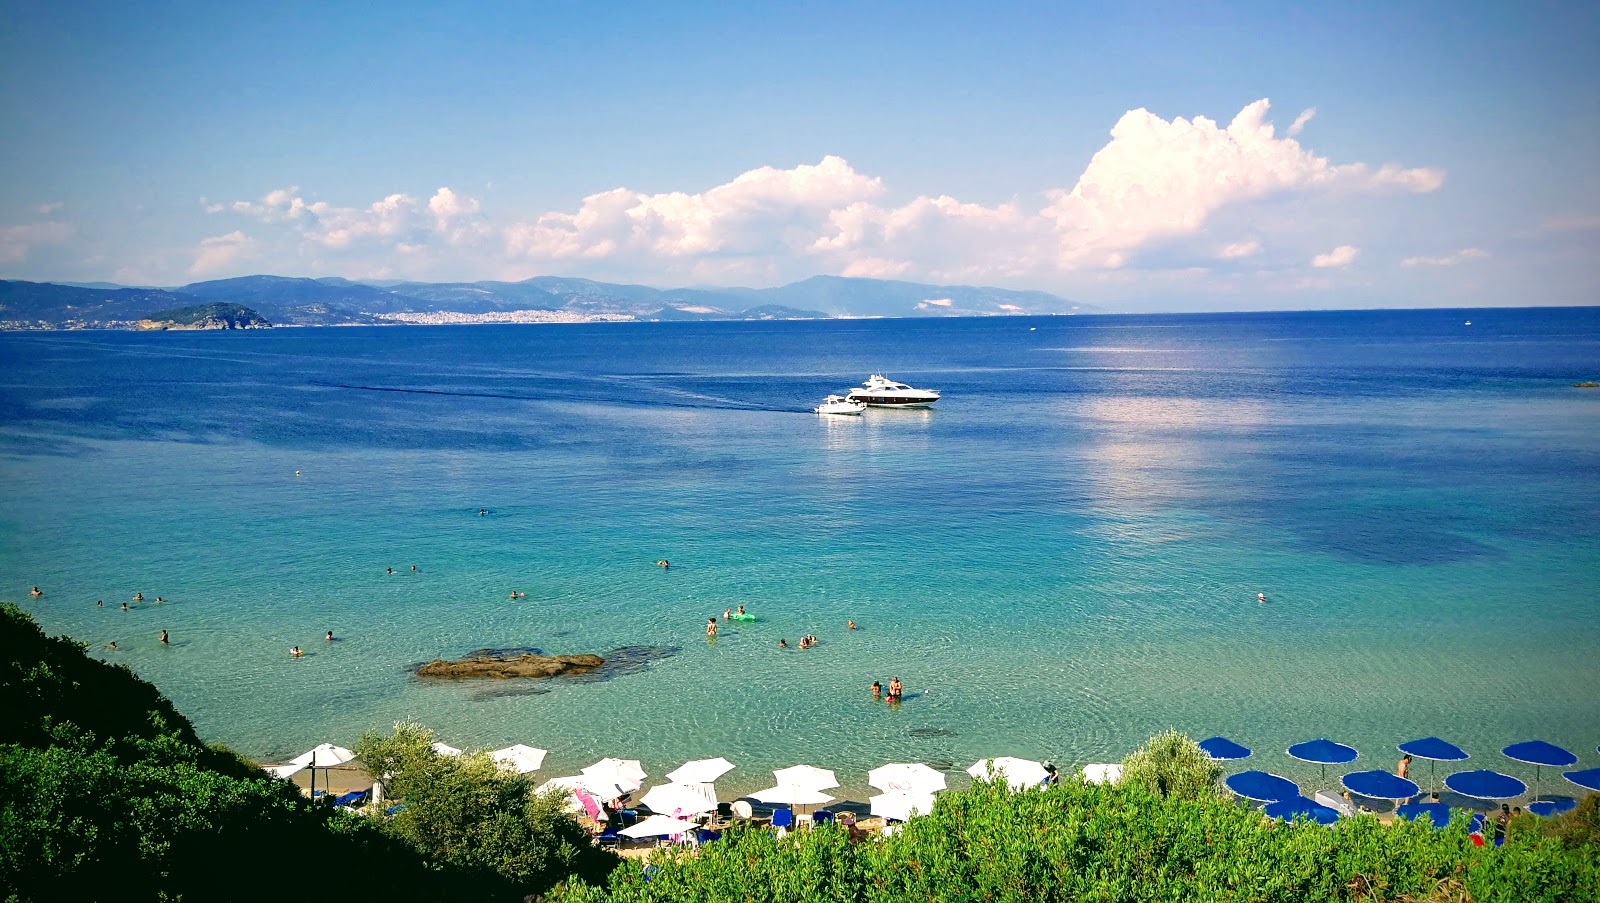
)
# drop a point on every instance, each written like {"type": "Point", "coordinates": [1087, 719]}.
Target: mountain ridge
{"type": "Point", "coordinates": [337, 301]}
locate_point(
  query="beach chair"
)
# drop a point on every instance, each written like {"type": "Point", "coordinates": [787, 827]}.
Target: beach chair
{"type": "Point", "coordinates": [704, 835]}
{"type": "Point", "coordinates": [353, 798]}
{"type": "Point", "coordinates": [610, 838]}
{"type": "Point", "coordinates": [782, 820]}
{"type": "Point", "coordinates": [821, 817]}
{"type": "Point", "coordinates": [724, 811]}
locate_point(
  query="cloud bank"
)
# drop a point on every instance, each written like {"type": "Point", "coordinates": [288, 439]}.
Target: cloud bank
{"type": "Point", "coordinates": [1154, 182]}
{"type": "Point", "coordinates": [1447, 260]}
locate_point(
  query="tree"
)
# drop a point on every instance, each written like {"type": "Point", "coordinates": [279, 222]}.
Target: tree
{"type": "Point", "coordinates": [1170, 764]}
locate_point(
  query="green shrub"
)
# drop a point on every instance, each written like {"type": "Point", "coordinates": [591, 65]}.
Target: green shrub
{"type": "Point", "coordinates": [1170, 764]}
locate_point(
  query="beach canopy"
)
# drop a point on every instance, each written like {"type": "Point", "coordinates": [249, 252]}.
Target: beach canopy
{"type": "Point", "coordinates": [658, 825]}
{"type": "Point", "coordinates": [1538, 752]}
{"type": "Point", "coordinates": [1224, 750]}
{"type": "Point", "coordinates": [809, 777]}
{"type": "Point", "coordinates": [901, 806]}
{"type": "Point", "coordinates": [445, 749]}
{"type": "Point", "coordinates": [1323, 752]}
{"type": "Point", "coordinates": [1434, 749]}
{"type": "Point", "coordinates": [790, 795]}
{"type": "Point", "coordinates": [283, 771]}
{"type": "Point", "coordinates": [700, 771]}
{"type": "Point", "coordinates": [1102, 774]}
{"type": "Point", "coordinates": [324, 756]}
{"type": "Point", "coordinates": [625, 775]}
{"type": "Point", "coordinates": [1486, 785]}
{"type": "Point", "coordinates": [1588, 779]}
{"type": "Point", "coordinates": [1547, 808]}
{"type": "Point", "coordinates": [906, 778]}
{"type": "Point", "coordinates": [1380, 785]}
{"type": "Point", "coordinates": [1300, 807]}
{"type": "Point", "coordinates": [1438, 813]}
{"type": "Point", "coordinates": [679, 799]}
{"type": "Point", "coordinates": [520, 758]}
{"type": "Point", "coordinates": [1262, 787]}
{"type": "Point", "coordinates": [1018, 773]}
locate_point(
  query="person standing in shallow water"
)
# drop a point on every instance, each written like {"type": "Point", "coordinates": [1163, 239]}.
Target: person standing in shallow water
{"type": "Point", "coordinates": [164, 638]}
{"type": "Point", "coordinates": [896, 689]}
{"type": "Point", "coordinates": [711, 628]}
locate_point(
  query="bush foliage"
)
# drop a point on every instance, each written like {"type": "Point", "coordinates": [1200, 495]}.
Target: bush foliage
{"type": "Point", "coordinates": [1170, 764]}
{"type": "Point", "coordinates": [1102, 843]}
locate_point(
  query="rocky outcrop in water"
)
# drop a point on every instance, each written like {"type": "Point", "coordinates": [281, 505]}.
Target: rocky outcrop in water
{"type": "Point", "coordinates": [503, 667]}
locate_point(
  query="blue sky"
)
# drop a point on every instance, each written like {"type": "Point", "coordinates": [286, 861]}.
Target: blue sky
{"type": "Point", "coordinates": [1450, 158]}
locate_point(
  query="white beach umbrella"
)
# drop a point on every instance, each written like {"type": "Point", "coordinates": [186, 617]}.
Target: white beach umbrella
{"type": "Point", "coordinates": [1102, 774]}
{"type": "Point", "coordinates": [792, 795]}
{"type": "Point", "coordinates": [565, 784]}
{"type": "Point", "coordinates": [445, 749]}
{"type": "Point", "coordinates": [808, 777]}
{"type": "Point", "coordinates": [1019, 773]}
{"type": "Point", "coordinates": [625, 775]}
{"type": "Point", "coordinates": [700, 771]}
{"type": "Point", "coordinates": [283, 771]}
{"type": "Point", "coordinates": [657, 825]}
{"type": "Point", "coordinates": [901, 806]}
{"type": "Point", "coordinates": [520, 758]}
{"type": "Point", "coordinates": [906, 778]}
{"type": "Point", "coordinates": [679, 799]}
{"type": "Point", "coordinates": [325, 755]}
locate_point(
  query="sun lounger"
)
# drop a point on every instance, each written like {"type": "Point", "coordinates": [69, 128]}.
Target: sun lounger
{"type": "Point", "coordinates": [821, 817]}
{"type": "Point", "coordinates": [352, 798]}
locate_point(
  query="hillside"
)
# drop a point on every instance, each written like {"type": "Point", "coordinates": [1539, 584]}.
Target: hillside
{"type": "Point", "coordinates": [335, 301]}
{"type": "Point", "coordinates": [205, 316]}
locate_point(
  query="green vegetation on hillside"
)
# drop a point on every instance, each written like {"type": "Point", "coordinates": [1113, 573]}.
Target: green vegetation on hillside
{"type": "Point", "coordinates": [216, 315]}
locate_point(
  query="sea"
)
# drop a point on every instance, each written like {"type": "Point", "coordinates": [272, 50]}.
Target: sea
{"type": "Point", "coordinates": [1058, 560]}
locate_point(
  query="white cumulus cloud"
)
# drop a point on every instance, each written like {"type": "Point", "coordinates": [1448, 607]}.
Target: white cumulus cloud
{"type": "Point", "coordinates": [1235, 250]}
{"type": "Point", "coordinates": [1155, 180]}
{"type": "Point", "coordinates": [1446, 260]}
{"type": "Point", "coordinates": [17, 242]}
{"type": "Point", "coordinates": [1300, 121]}
{"type": "Point", "coordinates": [1342, 256]}
{"type": "Point", "coordinates": [215, 255]}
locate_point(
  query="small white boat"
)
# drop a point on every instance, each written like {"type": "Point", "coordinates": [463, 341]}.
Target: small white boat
{"type": "Point", "coordinates": [838, 404]}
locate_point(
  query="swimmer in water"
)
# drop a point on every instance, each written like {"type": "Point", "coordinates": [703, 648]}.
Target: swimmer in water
{"type": "Point", "coordinates": [727, 614]}
{"type": "Point", "coordinates": [329, 637]}
{"type": "Point", "coordinates": [877, 690]}
{"type": "Point", "coordinates": [295, 651]}
{"type": "Point", "coordinates": [124, 606]}
{"type": "Point", "coordinates": [112, 645]}
{"type": "Point", "coordinates": [413, 569]}
{"type": "Point", "coordinates": [1261, 598]}
{"type": "Point", "coordinates": [711, 627]}
{"type": "Point", "coordinates": [741, 609]}
{"type": "Point", "coordinates": [896, 689]}
{"type": "Point", "coordinates": [482, 511]}
{"type": "Point", "coordinates": [138, 597]}
{"type": "Point", "coordinates": [100, 603]}
{"type": "Point", "coordinates": [297, 473]}
{"type": "Point", "coordinates": [36, 592]}
{"type": "Point", "coordinates": [159, 600]}
{"type": "Point", "coordinates": [852, 625]}
{"type": "Point", "coordinates": [783, 644]}
{"type": "Point", "coordinates": [389, 570]}
{"type": "Point", "coordinates": [164, 638]}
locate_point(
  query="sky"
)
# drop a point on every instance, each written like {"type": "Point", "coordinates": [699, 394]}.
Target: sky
{"type": "Point", "coordinates": [1190, 156]}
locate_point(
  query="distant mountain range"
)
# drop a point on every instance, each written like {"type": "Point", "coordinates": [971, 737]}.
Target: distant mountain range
{"type": "Point", "coordinates": [332, 301]}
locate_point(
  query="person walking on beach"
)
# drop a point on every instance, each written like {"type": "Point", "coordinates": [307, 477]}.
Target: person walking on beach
{"type": "Point", "coordinates": [1403, 769]}
{"type": "Point", "coordinates": [711, 628]}
{"type": "Point", "coordinates": [164, 638]}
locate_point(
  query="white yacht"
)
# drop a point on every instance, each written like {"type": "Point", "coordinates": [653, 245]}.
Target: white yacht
{"type": "Point", "coordinates": [838, 404]}
{"type": "Point", "coordinates": [879, 391]}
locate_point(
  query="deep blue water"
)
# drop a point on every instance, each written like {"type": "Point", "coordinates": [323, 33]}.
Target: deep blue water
{"type": "Point", "coordinates": [1064, 554]}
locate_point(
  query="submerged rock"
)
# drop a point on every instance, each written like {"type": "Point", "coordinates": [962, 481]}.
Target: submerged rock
{"type": "Point", "coordinates": [502, 667]}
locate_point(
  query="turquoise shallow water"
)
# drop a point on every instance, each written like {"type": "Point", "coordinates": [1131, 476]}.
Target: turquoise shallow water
{"type": "Point", "coordinates": [1061, 559]}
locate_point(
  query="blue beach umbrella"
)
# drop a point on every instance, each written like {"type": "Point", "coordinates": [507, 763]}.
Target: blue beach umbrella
{"type": "Point", "coordinates": [1547, 808]}
{"type": "Point", "coordinates": [1588, 779]}
{"type": "Point", "coordinates": [1486, 785]}
{"type": "Point", "coordinates": [1289, 810]}
{"type": "Point", "coordinates": [1380, 785]}
{"type": "Point", "coordinates": [1437, 813]}
{"type": "Point", "coordinates": [1434, 750]}
{"type": "Point", "coordinates": [1223, 750]}
{"type": "Point", "coordinates": [1262, 787]}
{"type": "Point", "coordinates": [1323, 752]}
{"type": "Point", "coordinates": [1539, 754]}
